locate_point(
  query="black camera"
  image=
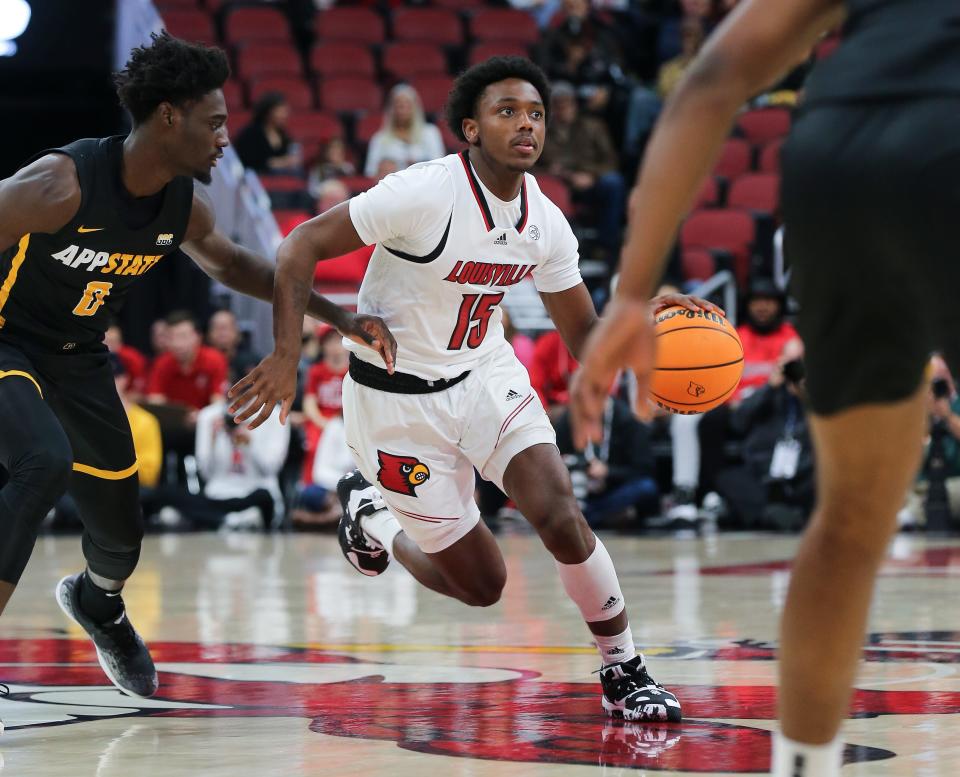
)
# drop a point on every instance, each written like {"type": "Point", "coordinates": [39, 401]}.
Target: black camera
{"type": "Point", "coordinates": [940, 388]}
{"type": "Point", "coordinates": [794, 371]}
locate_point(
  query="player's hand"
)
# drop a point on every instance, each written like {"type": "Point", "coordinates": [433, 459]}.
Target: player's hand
{"type": "Point", "coordinates": [687, 301]}
{"type": "Point", "coordinates": [273, 380]}
{"type": "Point", "coordinates": [623, 337]}
{"type": "Point", "coordinates": [372, 331]}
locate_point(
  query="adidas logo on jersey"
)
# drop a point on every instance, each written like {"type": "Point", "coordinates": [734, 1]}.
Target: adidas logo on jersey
{"type": "Point", "coordinates": [501, 241]}
{"type": "Point", "coordinates": [512, 395]}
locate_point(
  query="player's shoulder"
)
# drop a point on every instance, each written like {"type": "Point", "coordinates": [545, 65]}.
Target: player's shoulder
{"type": "Point", "coordinates": [425, 175]}
{"type": "Point", "coordinates": [52, 178]}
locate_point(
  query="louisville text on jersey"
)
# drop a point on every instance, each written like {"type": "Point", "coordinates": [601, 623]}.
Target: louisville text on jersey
{"type": "Point", "coordinates": [489, 273]}
{"type": "Point", "coordinates": [115, 263]}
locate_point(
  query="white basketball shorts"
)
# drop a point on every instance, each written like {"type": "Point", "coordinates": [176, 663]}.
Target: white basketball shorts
{"type": "Point", "coordinates": [420, 450]}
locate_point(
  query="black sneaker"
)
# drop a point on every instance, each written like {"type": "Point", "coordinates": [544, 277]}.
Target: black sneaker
{"type": "Point", "coordinates": [359, 499]}
{"type": "Point", "coordinates": [121, 652]}
{"type": "Point", "coordinates": [629, 692]}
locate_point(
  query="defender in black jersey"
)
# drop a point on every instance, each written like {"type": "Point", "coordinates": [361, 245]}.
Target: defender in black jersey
{"type": "Point", "coordinates": [869, 198]}
{"type": "Point", "coordinates": [78, 226]}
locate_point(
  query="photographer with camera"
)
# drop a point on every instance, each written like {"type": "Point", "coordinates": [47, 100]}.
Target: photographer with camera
{"type": "Point", "coordinates": [935, 499]}
{"type": "Point", "coordinates": [774, 486]}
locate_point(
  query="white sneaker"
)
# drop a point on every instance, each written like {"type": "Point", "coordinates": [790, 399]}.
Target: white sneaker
{"type": "Point", "coordinates": [243, 520]}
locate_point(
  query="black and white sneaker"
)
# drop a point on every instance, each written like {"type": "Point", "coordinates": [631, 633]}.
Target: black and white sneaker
{"type": "Point", "coordinates": [359, 499]}
{"type": "Point", "coordinates": [629, 692]}
{"type": "Point", "coordinates": [4, 693]}
{"type": "Point", "coordinates": [122, 654]}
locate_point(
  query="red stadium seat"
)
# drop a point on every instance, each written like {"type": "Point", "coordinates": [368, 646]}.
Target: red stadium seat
{"type": "Point", "coordinates": [367, 127]}
{"type": "Point", "coordinates": [764, 125]}
{"type": "Point", "coordinates": [233, 94]}
{"type": "Point", "coordinates": [697, 264]}
{"type": "Point", "coordinates": [758, 192]}
{"type": "Point", "coordinates": [335, 58]}
{"type": "Point", "coordinates": [288, 219]}
{"type": "Point", "coordinates": [504, 24]}
{"type": "Point", "coordinates": [175, 5]}
{"type": "Point", "coordinates": [296, 90]}
{"type": "Point", "coordinates": [555, 189]}
{"type": "Point", "coordinates": [450, 141]}
{"type": "Point", "coordinates": [404, 59]}
{"type": "Point", "coordinates": [195, 26]}
{"type": "Point", "coordinates": [709, 194]}
{"type": "Point", "coordinates": [458, 5]}
{"type": "Point", "coordinates": [481, 52]}
{"type": "Point", "coordinates": [262, 24]}
{"type": "Point", "coordinates": [344, 270]}
{"type": "Point", "coordinates": [350, 94]}
{"type": "Point", "coordinates": [314, 126]}
{"type": "Point", "coordinates": [429, 25]}
{"type": "Point", "coordinates": [357, 183]}
{"type": "Point", "coordinates": [770, 156]}
{"type": "Point", "coordinates": [433, 91]}
{"type": "Point", "coordinates": [258, 59]}
{"type": "Point", "coordinates": [730, 230]}
{"type": "Point", "coordinates": [357, 25]}
{"type": "Point", "coordinates": [734, 159]}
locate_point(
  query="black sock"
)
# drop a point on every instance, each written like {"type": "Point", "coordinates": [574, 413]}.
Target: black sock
{"type": "Point", "coordinates": [97, 603]}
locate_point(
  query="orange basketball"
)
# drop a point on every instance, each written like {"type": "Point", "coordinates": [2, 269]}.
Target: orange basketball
{"type": "Point", "coordinates": [699, 360]}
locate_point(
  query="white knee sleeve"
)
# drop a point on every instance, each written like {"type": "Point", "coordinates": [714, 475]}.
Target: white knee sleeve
{"type": "Point", "coordinates": [593, 585]}
{"type": "Point", "coordinates": [686, 450]}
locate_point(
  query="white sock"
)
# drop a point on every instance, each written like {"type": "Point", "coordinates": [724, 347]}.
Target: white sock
{"type": "Point", "coordinates": [381, 527]}
{"type": "Point", "coordinates": [795, 759]}
{"type": "Point", "coordinates": [616, 649]}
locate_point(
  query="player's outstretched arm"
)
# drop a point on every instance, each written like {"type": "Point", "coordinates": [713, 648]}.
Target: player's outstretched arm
{"type": "Point", "coordinates": [275, 378]}
{"type": "Point", "coordinates": [757, 42]}
{"type": "Point", "coordinates": [41, 197]}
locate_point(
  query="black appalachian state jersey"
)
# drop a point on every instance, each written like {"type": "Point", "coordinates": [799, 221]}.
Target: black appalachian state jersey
{"type": "Point", "coordinates": [60, 290]}
{"type": "Point", "coordinates": [891, 50]}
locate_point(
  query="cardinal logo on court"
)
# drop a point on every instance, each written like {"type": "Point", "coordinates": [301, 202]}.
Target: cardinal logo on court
{"type": "Point", "coordinates": [695, 389]}
{"type": "Point", "coordinates": [401, 474]}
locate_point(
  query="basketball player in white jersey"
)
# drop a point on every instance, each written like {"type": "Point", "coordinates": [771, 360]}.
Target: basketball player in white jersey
{"type": "Point", "coordinates": [452, 236]}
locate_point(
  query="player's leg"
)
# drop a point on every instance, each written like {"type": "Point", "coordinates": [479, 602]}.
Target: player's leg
{"type": "Point", "coordinates": [537, 480]}
{"type": "Point", "coordinates": [36, 455]}
{"type": "Point", "coordinates": [105, 488]}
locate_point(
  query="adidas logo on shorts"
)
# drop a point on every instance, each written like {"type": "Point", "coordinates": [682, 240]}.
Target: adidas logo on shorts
{"type": "Point", "coordinates": [610, 602]}
{"type": "Point", "coordinates": [501, 241]}
{"type": "Point", "coordinates": [512, 395]}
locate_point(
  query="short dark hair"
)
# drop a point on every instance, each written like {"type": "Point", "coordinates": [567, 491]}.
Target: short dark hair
{"type": "Point", "coordinates": [177, 317]}
{"type": "Point", "coordinates": [264, 104]}
{"type": "Point", "coordinates": [466, 91]}
{"type": "Point", "coordinates": [169, 70]}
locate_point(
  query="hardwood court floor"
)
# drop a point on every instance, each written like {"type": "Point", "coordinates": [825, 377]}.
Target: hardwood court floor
{"type": "Point", "coordinates": [277, 659]}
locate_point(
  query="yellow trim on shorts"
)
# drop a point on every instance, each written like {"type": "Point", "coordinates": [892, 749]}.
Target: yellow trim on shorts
{"type": "Point", "coordinates": [106, 474]}
{"type": "Point", "coordinates": [12, 275]}
{"type": "Point", "coordinates": [21, 374]}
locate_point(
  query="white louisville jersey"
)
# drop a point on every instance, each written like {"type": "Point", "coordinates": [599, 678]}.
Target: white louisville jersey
{"type": "Point", "coordinates": [447, 251]}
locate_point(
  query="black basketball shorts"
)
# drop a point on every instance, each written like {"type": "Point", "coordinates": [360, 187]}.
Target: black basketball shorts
{"type": "Point", "coordinates": [871, 206]}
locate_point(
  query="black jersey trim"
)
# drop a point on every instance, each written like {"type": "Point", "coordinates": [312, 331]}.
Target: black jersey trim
{"type": "Point", "coordinates": [482, 201]}
{"type": "Point", "coordinates": [432, 255]}
{"type": "Point", "coordinates": [11, 278]}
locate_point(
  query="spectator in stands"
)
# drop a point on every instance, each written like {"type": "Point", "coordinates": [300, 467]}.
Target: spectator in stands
{"type": "Point", "coordinates": [147, 441]}
{"type": "Point", "coordinates": [264, 145]}
{"type": "Point", "coordinates": [329, 194]}
{"type": "Point", "coordinates": [134, 362]}
{"type": "Point", "coordinates": [699, 441]}
{"type": "Point", "coordinates": [319, 507]}
{"type": "Point", "coordinates": [579, 149]}
{"type": "Point", "coordinates": [541, 10]}
{"type": "Point", "coordinates": [773, 487]}
{"type": "Point", "coordinates": [333, 163]}
{"type": "Point", "coordinates": [224, 335]}
{"type": "Point", "coordinates": [322, 398]}
{"type": "Point", "coordinates": [190, 373]}
{"type": "Point", "coordinates": [616, 475]}
{"type": "Point", "coordinates": [159, 337]}
{"type": "Point", "coordinates": [582, 50]}
{"type": "Point", "coordinates": [239, 465]}
{"type": "Point", "coordinates": [691, 37]}
{"type": "Point", "coordinates": [406, 136]}
{"type": "Point", "coordinates": [386, 166]}
{"type": "Point", "coordinates": [550, 373]}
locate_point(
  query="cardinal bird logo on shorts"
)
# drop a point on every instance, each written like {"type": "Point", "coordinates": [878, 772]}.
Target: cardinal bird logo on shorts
{"type": "Point", "coordinates": [401, 474]}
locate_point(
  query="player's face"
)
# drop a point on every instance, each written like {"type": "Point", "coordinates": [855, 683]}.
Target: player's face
{"type": "Point", "coordinates": [203, 135]}
{"type": "Point", "coordinates": [511, 123]}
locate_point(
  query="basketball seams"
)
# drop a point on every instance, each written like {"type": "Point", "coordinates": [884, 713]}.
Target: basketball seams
{"type": "Point", "coordinates": [700, 366]}
{"type": "Point", "coordinates": [695, 404]}
{"type": "Point", "coordinates": [732, 335]}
